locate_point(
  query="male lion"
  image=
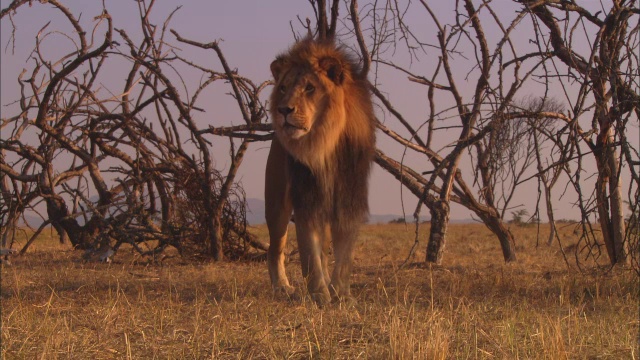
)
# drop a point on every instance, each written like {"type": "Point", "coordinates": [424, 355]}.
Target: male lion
{"type": "Point", "coordinates": [319, 164]}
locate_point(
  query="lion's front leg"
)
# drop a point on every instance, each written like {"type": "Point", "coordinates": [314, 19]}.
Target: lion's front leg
{"type": "Point", "coordinates": [278, 209]}
{"type": "Point", "coordinates": [313, 259]}
{"type": "Point", "coordinates": [275, 259]}
{"type": "Point", "coordinates": [343, 247]}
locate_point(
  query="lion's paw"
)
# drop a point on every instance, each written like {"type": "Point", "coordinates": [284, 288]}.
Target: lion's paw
{"type": "Point", "coordinates": [284, 292]}
{"type": "Point", "coordinates": [321, 298]}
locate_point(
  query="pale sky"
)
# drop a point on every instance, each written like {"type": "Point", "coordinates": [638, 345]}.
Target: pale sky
{"type": "Point", "coordinates": [253, 32]}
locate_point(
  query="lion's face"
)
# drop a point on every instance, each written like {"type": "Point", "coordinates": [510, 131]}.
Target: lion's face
{"type": "Point", "coordinates": [300, 95]}
{"type": "Point", "coordinates": [308, 106]}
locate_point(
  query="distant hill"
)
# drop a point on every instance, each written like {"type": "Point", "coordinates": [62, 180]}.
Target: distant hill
{"type": "Point", "coordinates": [255, 211]}
{"type": "Point", "coordinates": [256, 216]}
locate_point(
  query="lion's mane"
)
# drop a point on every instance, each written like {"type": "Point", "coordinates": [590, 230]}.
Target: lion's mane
{"type": "Point", "coordinates": [329, 167]}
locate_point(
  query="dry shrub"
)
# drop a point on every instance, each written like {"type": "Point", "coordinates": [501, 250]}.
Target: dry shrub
{"type": "Point", "coordinates": [193, 213]}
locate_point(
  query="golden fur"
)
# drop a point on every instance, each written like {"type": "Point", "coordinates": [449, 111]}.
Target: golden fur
{"type": "Point", "coordinates": [319, 163]}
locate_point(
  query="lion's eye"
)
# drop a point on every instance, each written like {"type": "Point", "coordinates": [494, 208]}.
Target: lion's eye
{"type": "Point", "coordinates": [309, 88]}
{"type": "Point", "coordinates": [282, 88]}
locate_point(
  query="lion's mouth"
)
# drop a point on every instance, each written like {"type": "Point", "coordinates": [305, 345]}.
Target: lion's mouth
{"type": "Point", "coordinates": [294, 126]}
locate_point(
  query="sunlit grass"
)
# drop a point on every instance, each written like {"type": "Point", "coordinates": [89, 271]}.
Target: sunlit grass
{"type": "Point", "coordinates": [474, 306]}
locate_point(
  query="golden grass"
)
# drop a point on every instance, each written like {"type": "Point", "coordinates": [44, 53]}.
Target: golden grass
{"type": "Point", "coordinates": [473, 307]}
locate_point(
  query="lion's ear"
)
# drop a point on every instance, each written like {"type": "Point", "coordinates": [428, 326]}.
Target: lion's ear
{"type": "Point", "coordinates": [333, 68]}
{"type": "Point", "coordinates": [276, 67]}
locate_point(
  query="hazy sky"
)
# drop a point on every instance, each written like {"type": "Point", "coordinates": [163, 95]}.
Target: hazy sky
{"type": "Point", "coordinates": [253, 32]}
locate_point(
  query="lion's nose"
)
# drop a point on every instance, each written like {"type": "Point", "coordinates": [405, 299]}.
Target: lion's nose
{"type": "Point", "coordinates": [285, 110]}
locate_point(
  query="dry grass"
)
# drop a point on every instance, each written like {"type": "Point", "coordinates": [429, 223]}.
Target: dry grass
{"type": "Point", "coordinates": [473, 307]}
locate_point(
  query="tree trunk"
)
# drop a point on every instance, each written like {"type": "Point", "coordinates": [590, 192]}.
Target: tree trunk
{"type": "Point", "coordinates": [81, 237]}
{"type": "Point", "coordinates": [216, 237]}
{"type": "Point", "coordinates": [603, 214]}
{"type": "Point", "coordinates": [438, 232]}
{"type": "Point", "coordinates": [505, 236]}
{"type": "Point", "coordinates": [617, 214]}
{"type": "Point", "coordinates": [609, 203]}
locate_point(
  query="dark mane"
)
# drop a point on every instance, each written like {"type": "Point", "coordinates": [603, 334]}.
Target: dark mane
{"type": "Point", "coordinates": [340, 194]}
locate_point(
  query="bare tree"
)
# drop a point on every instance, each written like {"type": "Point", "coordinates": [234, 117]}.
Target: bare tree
{"type": "Point", "coordinates": [129, 165]}
{"type": "Point", "coordinates": [550, 163]}
{"type": "Point", "coordinates": [597, 49]}
{"type": "Point", "coordinates": [475, 117]}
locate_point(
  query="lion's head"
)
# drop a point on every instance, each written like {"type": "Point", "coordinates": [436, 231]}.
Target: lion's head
{"type": "Point", "coordinates": [314, 83]}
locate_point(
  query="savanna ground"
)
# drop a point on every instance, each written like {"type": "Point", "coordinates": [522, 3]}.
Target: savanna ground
{"type": "Point", "coordinates": [54, 305]}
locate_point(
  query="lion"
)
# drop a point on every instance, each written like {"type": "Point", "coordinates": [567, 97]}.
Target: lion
{"type": "Point", "coordinates": [318, 165]}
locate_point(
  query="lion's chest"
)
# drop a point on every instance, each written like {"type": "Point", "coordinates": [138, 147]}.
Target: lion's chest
{"type": "Point", "coordinates": [338, 192]}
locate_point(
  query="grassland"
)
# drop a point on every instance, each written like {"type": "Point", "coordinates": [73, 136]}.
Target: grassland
{"type": "Point", "coordinates": [473, 307]}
